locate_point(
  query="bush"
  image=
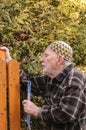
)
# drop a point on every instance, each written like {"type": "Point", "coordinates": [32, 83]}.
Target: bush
{"type": "Point", "coordinates": [28, 26]}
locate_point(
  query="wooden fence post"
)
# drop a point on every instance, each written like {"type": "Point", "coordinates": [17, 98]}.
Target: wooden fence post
{"type": "Point", "coordinates": [14, 95]}
{"type": "Point", "coordinates": [3, 92]}
{"type": "Point", "coordinates": [2, 55]}
{"type": "Point", "coordinates": [9, 94]}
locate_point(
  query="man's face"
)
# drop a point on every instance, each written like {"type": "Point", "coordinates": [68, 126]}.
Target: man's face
{"type": "Point", "coordinates": [49, 61]}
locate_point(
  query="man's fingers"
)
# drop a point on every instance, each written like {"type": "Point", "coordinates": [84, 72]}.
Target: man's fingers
{"type": "Point", "coordinates": [4, 48]}
{"type": "Point", "coordinates": [25, 101]}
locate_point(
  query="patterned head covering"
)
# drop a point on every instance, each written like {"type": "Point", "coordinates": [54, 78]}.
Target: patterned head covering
{"type": "Point", "coordinates": [63, 49]}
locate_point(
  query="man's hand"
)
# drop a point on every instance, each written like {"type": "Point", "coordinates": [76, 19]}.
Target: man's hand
{"type": "Point", "coordinates": [30, 108]}
{"type": "Point", "coordinates": [8, 57]}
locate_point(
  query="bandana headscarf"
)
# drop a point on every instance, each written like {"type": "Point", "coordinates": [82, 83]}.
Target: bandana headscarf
{"type": "Point", "coordinates": [63, 49]}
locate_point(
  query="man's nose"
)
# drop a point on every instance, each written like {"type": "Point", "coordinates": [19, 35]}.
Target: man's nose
{"type": "Point", "coordinates": [41, 58]}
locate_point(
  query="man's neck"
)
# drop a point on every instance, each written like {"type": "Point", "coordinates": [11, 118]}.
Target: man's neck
{"type": "Point", "coordinates": [57, 71]}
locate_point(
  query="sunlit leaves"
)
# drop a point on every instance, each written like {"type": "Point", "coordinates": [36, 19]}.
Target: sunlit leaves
{"type": "Point", "coordinates": [27, 26]}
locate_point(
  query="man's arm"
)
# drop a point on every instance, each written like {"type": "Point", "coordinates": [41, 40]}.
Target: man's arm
{"type": "Point", "coordinates": [69, 107]}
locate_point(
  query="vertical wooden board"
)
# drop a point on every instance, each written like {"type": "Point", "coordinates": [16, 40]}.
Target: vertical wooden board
{"type": "Point", "coordinates": [3, 98]}
{"type": "Point", "coordinates": [2, 55]}
{"type": "Point", "coordinates": [14, 95]}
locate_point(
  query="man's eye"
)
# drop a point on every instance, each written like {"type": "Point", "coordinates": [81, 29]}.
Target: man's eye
{"type": "Point", "coordinates": [45, 55]}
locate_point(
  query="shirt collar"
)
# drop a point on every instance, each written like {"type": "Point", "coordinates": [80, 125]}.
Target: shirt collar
{"type": "Point", "coordinates": [59, 78]}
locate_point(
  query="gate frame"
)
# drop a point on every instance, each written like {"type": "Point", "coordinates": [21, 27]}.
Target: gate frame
{"type": "Point", "coordinates": [10, 94]}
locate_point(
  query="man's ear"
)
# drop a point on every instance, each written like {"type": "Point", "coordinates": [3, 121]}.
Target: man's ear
{"type": "Point", "coordinates": [60, 60]}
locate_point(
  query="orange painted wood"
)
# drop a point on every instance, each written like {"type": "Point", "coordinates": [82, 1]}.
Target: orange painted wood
{"type": "Point", "coordinates": [2, 55]}
{"type": "Point", "coordinates": [14, 95]}
{"type": "Point", "coordinates": [3, 98]}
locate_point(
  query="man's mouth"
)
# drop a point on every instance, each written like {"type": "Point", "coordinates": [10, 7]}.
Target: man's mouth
{"type": "Point", "coordinates": [43, 65]}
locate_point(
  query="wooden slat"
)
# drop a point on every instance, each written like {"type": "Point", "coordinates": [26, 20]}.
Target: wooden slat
{"type": "Point", "coordinates": [14, 95]}
{"type": "Point", "coordinates": [2, 55]}
{"type": "Point", "coordinates": [3, 98]}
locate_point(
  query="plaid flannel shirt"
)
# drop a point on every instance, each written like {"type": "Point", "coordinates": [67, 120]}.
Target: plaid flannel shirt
{"type": "Point", "coordinates": [65, 100]}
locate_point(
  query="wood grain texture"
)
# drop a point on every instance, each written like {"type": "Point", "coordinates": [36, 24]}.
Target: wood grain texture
{"type": "Point", "coordinates": [2, 55]}
{"type": "Point", "coordinates": [14, 95]}
{"type": "Point", "coordinates": [3, 96]}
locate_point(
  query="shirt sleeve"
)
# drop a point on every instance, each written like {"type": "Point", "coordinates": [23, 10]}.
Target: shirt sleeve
{"type": "Point", "coordinates": [69, 107]}
{"type": "Point", "coordinates": [38, 84]}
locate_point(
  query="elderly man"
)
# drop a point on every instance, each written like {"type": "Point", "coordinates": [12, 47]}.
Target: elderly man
{"type": "Point", "coordinates": [63, 88]}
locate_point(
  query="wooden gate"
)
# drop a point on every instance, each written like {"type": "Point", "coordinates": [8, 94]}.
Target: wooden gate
{"type": "Point", "coordinates": [9, 94]}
